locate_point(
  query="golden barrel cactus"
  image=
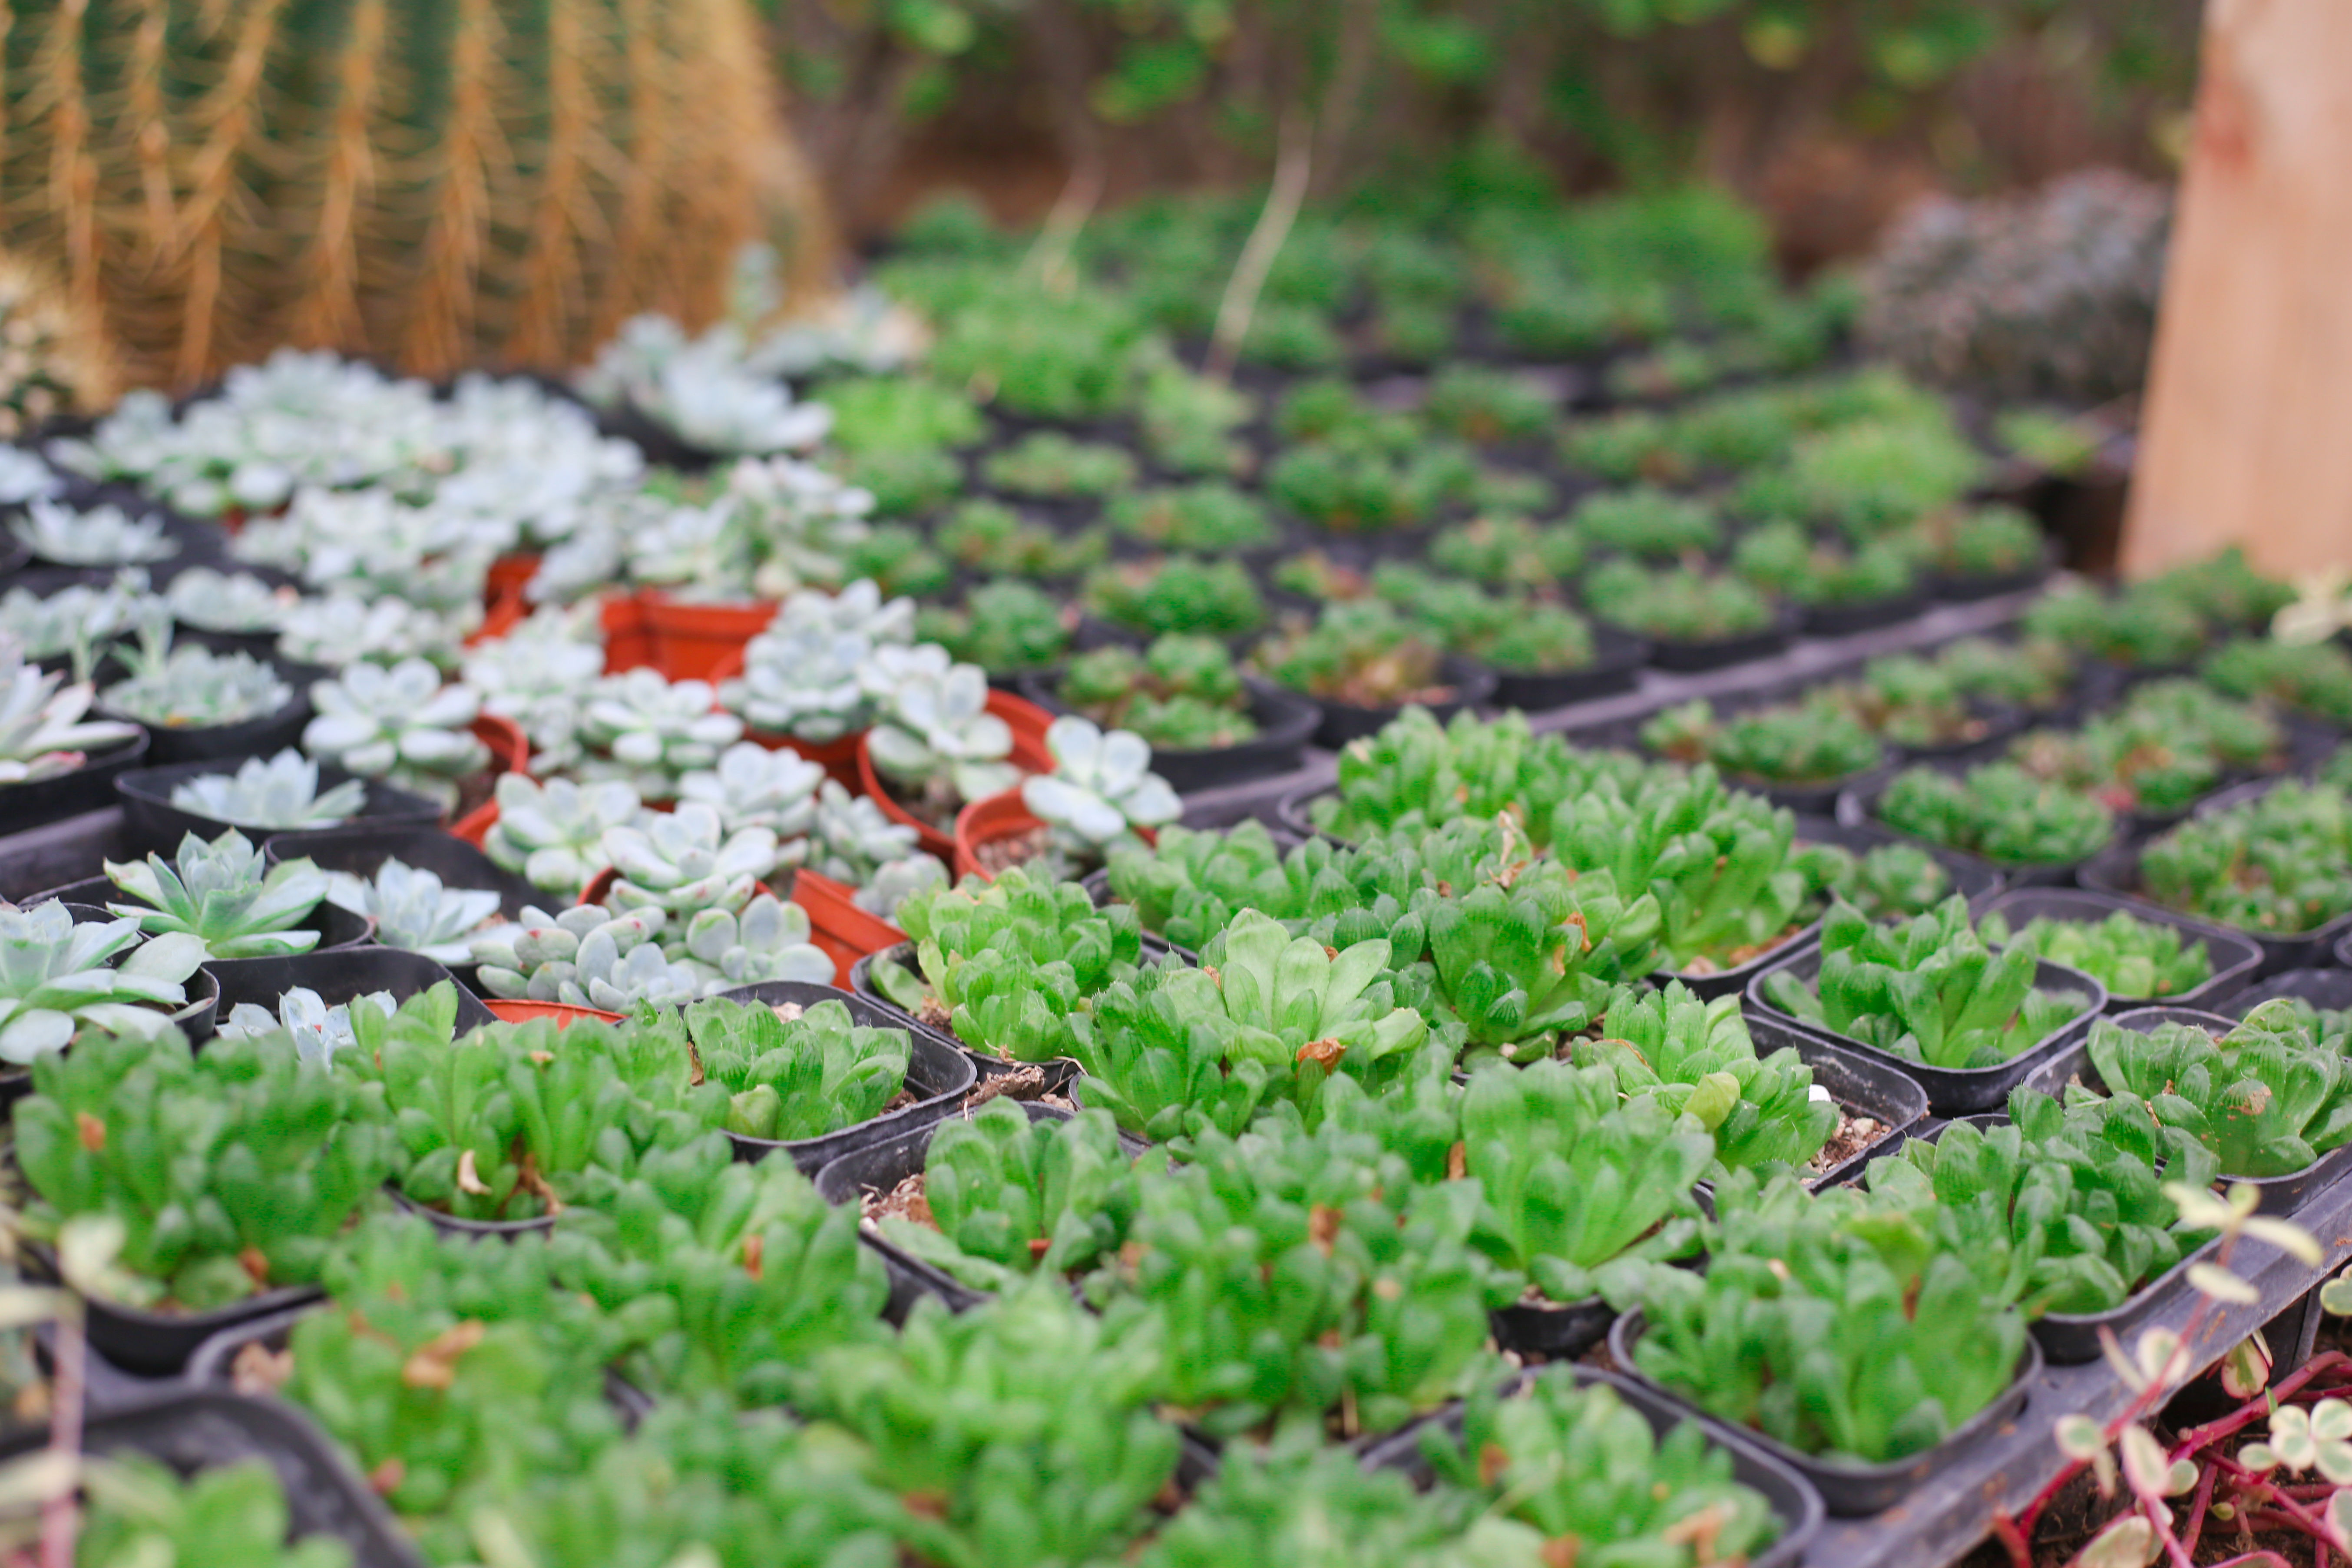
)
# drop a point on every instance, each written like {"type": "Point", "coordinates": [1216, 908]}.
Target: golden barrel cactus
{"type": "Point", "coordinates": [435, 184]}
{"type": "Point", "coordinates": [54, 360]}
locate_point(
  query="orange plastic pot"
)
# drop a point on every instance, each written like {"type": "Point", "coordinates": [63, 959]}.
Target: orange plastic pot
{"type": "Point", "coordinates": [842, 931]}
{"type": "Point", "coordinates": [598, 886]}
{"type": "Point", "coordinates": [1026, 720]}
{"type": "Point", "coordinates": [999, 816]}
{"type": "Point", "coordinates": [502, 618]}
{"type": "Point", "coordinates": [1029, 754]}
{"type": "Point", "coordinates": [509, 754]}
{"type": "Point", "coordinates": [693, 642]}
{"type": "Point", "coordinates": [509, 576]}
{"type": "Point", "coordinates": [565, 1013]}
{"type": "Point", "coordinates": [628, 639]}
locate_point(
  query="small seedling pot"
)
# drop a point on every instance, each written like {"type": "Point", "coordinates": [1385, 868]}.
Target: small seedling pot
{"type": "Point", "coordinates": [842, 930]}
{"type": "Point", "coordinates": [692, 642]}
{"type": "Point", "coordinates": [338, 978]}
{"type": "Point", "coordinates": [44, 801]}
{"type": "Point", "coordinates": [152, 823]}
{"type": "Point", "coordinates": [263, 735]}
{"type": "Point", "coordinates": [158, 1344]}
{"type": "Point", "coordinates": [1618, 658]}
{"type": "Point", "coordinates": [1951, 1092]}
{"type": "Point", "coordinates": [1860, 804]}
{"type": "Point", "coordinates": [939, 1075]}
{"type": "Point", "coordinates": [194, 1431]}
{"type": "Point", "coordinates": [1286, 722]}
{"type": "Point", "coordinates": [1792, 1499]}
{"type": "Point", "coordinates": [1861, 1083]}
{"type": "Point", "coordinates": [1849, 1490]}
{"type": "Point", "coordinates": [2235, 958]}
{"type": "Point", "coordinates": [2282, 1195]}
{"type": "Point", "coordinates": [361, 849]}
{"type": "Point", "coordinates": [1471, 683]}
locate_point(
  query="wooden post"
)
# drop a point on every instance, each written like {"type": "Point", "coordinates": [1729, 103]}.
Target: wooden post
{"type": "Point", "coordinates": [2248, 437]}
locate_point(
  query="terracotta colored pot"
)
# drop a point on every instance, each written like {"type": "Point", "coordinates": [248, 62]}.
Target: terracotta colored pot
{"type": "Point", "coordinates": [628, 639]}
{"type": "Point", "coordinates": [1029, 754]}
{"type": "Point", "coordinates": [691, 642]}
{"type": "Point", "coordinates": [509, 576]}
{"type": "Point", "coordinates": [844, 932]}
{"type": "Point", "coordinates": [598, 886]}
{"type": "Point", "coordinates": [998, 816]}
{"type": "Point", "coordinates": [1027, 722]}
{"type": "Point", "coordinates": [563, 1012]}
{"type": "Point", "coordinates": [838, 758]}
{"type": "Point", "coordinates": [502, 618]}
{"type": "Point", "coordinates": [509, 754]}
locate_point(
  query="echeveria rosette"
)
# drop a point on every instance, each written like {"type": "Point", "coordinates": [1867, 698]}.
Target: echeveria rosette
{"type": "Point", "coordinates": [413, 912]}
{"type": "Point", "coordinates": [651, 732]}
{"type": "Point", "coordinates": [1697, 1059]}
{"type": "Point", "coordinates": [685, 861]}
{"type": "Point", "coordinates": [553, 833]}
{"type": "Point", "coordinates": [2268, 1098]}
{"type": "Point", "coordinates": [223, 894]}
{"type": "Point", "coordinates": [399, 724]}
{"type": "Point", "coordinates": [1267, 1016]}
{"type": "Point", "coordinates": [934, 729]}
{"type": "Point", "coordinates": [754, 787]}
{"type": "Point", "coordinates": [1573, 1178]}
{"type": "Point", "coordinates": [585, 956]}
{"type": "Point", "coordinates": [43, 732]}
{"type": "Point", "coordinates": [317, 1030]}
{"type": "Point", "coordinates": [58, 978]}
{"type": "Point", "coordinates": [1101, 790]}
{"type": "Point", "coordinates": [279, 795]}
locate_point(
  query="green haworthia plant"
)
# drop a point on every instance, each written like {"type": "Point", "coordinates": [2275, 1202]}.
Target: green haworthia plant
{"type": "Point", "coordinates": [1892, 880]}
{"type": "Point", "coordinates": [792, 1073]}
{"type": "Point", "coordinates": [2267, 1099]}
{"type": "Point", "coordinates": [1999, 811]}
{"type": "Point", "coordinates": [1929, 990]}
{"type": "Point", "coordinates": [143, 1510]}
{"type": "Point", "coordinates": [1010, 965]}
{"type": "Point", "coordinates": [1268, 1017]}
{"type": "Point", "coordinates": [2278, 864]}
{"type": "Point", "coordinates": [1415, 773]}
{"type": "Point", "coordinates": [2129, 956]}
{"type": "Point", "coordinates": [1008, 1197]}
{"type": "Point", "coordinates": [1697, 1058]}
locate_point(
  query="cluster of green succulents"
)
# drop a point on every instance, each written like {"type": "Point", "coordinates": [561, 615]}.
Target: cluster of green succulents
{"type": "Point", "coordinates": [2168, 742]}
{"type": "Point", "coordinates": [1785, 558]}
{"type": "Point", "coordinates": [1809, 742]}
{"type": "Point", "coordinates": [1648, 522]}
{"type": "Point", "coordinates": [2266, 1098]}
{"type": "Point", "coordinates": [2311, 678]}
{"type": "Point", "coordinates": [223, 895]}
{"type": "Point", "coordinates": [1679, 603]}
{"type": "Point", "coordinates": [2280, 863]}
{"type": "Point", "coordinates": [1915, 702]}
{"type": "Point", "coordinates": [1363, 654]}
{"type": "Point", "coordinates": [1999, 811]}
{"type": "Point", "coordinates": [1178, 594]}
{"type": "Point", "coordinates": [190, 687]}
{"type": "Point", "coordinates": [1184, 693]}
{"type": "Point", "coordinates": [1505, 551]}
{"type": "Point", "coordinates": [1416, 773]}
{"type": "Point", "coordinates": [991, 537]}
{"type": "Point", "coordinates": [1052, 465]}
{"type": "Point", "coordinates": [1207, 518]}
{"type": "Point", "coordinates": [1004, 625]}
{"type": "Point", "coordinates": [1984, 542]}
{"type": "Point", "coordinates": [1512, 633]}
{"type": "Point", "coordinates": [2129, 956]}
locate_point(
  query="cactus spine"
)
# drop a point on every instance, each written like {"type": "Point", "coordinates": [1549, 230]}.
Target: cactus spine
{"type": "Point", "coordinates": [431, 182]}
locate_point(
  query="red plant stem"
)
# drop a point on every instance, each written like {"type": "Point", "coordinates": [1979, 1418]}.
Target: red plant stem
{"type": "Point", "coordinates": [2303, 1517]}
{"type": "Point", "coordinates": [2206, 1474]}
{"type": "Point", "coordinates": [2258, 1407]}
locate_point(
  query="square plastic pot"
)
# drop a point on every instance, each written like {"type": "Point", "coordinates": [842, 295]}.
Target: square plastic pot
{"type": "Point", "coordinates": [1951, 1092]}
{"type": "Point", "coordinates": [939, 1074]}
{"type": "Point", "coordinates": [1058, 1072]}
{"type": "Point", "coordinates": [2328, 990]}
{"type": "Point", "coordinates": [2280, 1195]}
{"type": "Point", "coordinates": [2235, 958]}
{"type": "Point", "coordinates": [1863, 1083]}
{"type": "Point", "coordinates": [195, 1430]}
{"type": "Point", "coordinates": [1848, 1490]}
{"type": "Point", "coordinates": [152, 823]}
{"type": "Point", "coordinates": [1687, 657]}
{"type": "Point", "coordinates": [1618, 659]}
{"type": "Point", "coordinates": [1793, 1499]}
{"type": "Point", "coordinates": [158, 1344]}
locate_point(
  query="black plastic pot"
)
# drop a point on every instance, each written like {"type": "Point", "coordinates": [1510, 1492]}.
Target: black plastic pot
{"type": "Point", "coordinates": [195, 1430]}
{"type": "Point", "coordinates": [1793, 1500]}
{"type": "Point", "coordinates": [89, 786]}
{"type": "Point", "coordinates": [361, 849]}
{"type": "Point", "coordinates": [882, 1164]}
{"type": "Point", "coordinates": [2116, 870]}
{"type": "Point", "coordinates": [338, 977]}
{"type": "Point", "coordinates": [1970, 878]}
{"type": "Point", "coordinates": [1862, 1084]}
{"type": "Point", "coordinates": [2280, 1195]}
{"type": "Point", "coordinates": [939, 1073]}
{"type": "Point", "coordinates": [1860, 805]}
{"type": "Point", "coordinates": [2328, 990]}
{"type": "Point", "coordinates": [1716, 653]}
{"type": "Point", "coordinates": [2234, 958]}
{"type": "Point", "coordinates": [151, 822]}
{"type": "Point", "coordinates": [1285, 720]}
{"type": "Point", "coordinates": [1968, 590]}
{"type": "Point", "coordinates": [1848, 1490]}
{"type": "Point", "coordinates": [451, 1224]}
{"type": "Point", "coordinates": [158, 1344]}
{"type": "Point", "coordinates": [1867, 616]}
{"type": "Point", "coordinates": [1951, 1092]}
{"type": "Point", "coordinates": [338, 929]}
{"type": "Point", "coordinates": [1618, 658]}
{"type": "Point", "coordinates": [263, 736]}
{"type": "Point", "coordinates": [64, 850]}
{"type": "Point", "coordinates": [1473, 685]}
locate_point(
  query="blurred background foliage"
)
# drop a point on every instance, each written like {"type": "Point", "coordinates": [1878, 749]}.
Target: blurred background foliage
{"type": "Point", "coordinates": [1829, 115]}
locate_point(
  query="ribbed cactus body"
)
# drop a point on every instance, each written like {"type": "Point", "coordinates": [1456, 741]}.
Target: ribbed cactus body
{"type": "Point", "coordinates": [431, 182]}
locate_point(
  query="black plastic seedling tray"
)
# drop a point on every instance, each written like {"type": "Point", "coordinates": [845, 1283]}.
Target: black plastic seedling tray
{"type": "Point", "coordinates": [2281, 1195]}
{"type": "Point", "coordinates": [1618, 658]}
{"type": "Point", "coordinates": [939, 1073]}
{"type": "Point", "coordinates": [1850, 1490]}
{"type": "Point", "coordinates": [2235, 957]}
{"type": "Point", "coordinates": [200, 1429]}
{"type": "Point", "coordinates": [151, 822]}
{"type": "Point", "coordinates": [1951, 1092]}
{"type": "Point", "coordinates": [1793, 1500]}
